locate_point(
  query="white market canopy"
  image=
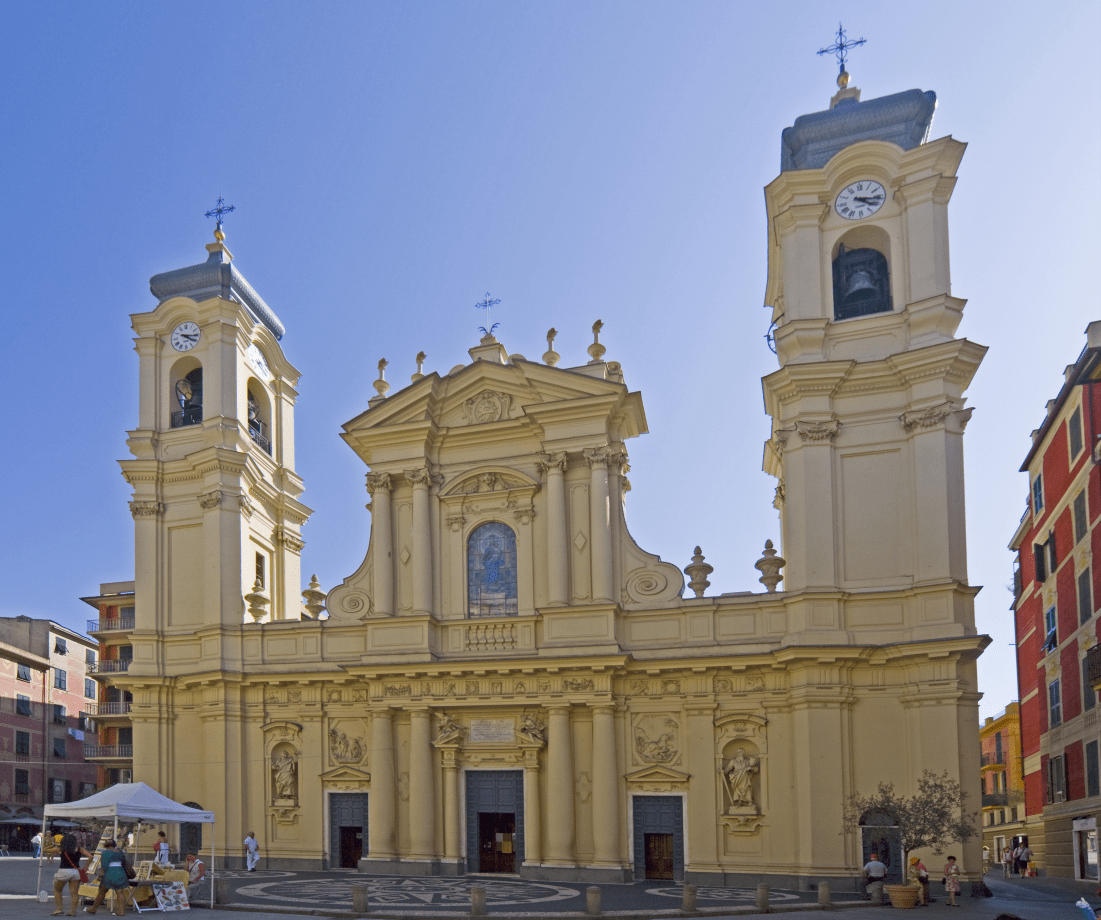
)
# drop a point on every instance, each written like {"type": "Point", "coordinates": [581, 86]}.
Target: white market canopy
{"type": "Point", "coordinates": [130, 802]}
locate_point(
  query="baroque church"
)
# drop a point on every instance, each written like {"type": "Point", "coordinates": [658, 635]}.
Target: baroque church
{"type": "Point", "coordinates": [508, 683]}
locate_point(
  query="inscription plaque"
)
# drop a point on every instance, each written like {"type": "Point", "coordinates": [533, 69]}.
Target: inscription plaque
{"type": "Point", "coordinates": [491, 730]}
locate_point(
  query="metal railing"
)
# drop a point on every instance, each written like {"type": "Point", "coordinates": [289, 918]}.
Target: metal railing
{"type": "Point", "coordinates": [107, 709]}
{"type": "Point", "coordinates": [110, 666]}
{"type": "Point", "coordinates": [111, 624]}
{"type": "Point", "coordinates": [1093, 666]}
{"type": "Point", "coordinates": [192, 415]}
{"type": "Point", "coordinates": [263, 443]}
{"type": "Point", "coordinates": [104, 751]}
{"type": "Point", "coordinates": [989, 760]}
{"type": "Point", "coordinates": [994, 799]}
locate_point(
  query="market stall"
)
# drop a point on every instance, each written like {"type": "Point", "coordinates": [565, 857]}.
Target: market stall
{"type": "Point", "coordinates": [127, 803]}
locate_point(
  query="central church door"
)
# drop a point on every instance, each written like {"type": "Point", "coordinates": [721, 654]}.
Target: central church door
{"type": "Point", "coordinates": [494, 820]}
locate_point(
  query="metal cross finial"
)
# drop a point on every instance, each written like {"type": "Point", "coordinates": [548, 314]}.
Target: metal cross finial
{"type": "Point", "coordinates": [220, 211]}
{"type": "Point", "coordinates": [841, 46]}
{"type": "Point", "coordinates": [486, 305]}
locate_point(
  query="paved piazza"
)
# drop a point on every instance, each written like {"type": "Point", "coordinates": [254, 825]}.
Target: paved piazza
{"type": "Point", "coordinates": [446, 895]}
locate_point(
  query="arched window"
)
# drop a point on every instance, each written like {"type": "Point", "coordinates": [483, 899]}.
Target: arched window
{"type": "Point", "coordinates": [861, 283]}
{"type": "Point", "coordinates": [189, 397]}
{"type": "Point", "coordinates": [491, 571]}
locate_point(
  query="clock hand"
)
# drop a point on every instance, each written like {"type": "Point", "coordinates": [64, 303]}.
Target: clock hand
{"type": "Point", "coordinates": [874, 200]}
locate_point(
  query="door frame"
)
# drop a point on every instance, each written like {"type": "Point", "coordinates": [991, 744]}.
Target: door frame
{"type": "Point", "coordinates": [520, 840]}
{"type": "Point", "coordinates": [333, 859]}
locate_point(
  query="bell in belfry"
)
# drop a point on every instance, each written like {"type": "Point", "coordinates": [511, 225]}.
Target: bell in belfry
{"type": "Point", "coordinates": [860, 283]}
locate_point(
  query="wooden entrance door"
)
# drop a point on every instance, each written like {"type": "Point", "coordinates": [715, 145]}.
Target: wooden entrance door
{"type": "Point", "coordinates": [496, 842]}
{"type": "Point", "coordinates": [659, 856]}
{"type": "Point", "coordinates": [351, 847]}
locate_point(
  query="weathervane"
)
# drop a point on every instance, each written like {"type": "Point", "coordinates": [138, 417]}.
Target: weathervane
{"type": "Point", "coordinates": [841, 46]}
{"type": "Point", "coordinates": [487, 305]}
{"type": "Point", "coordinates": [220, 211]}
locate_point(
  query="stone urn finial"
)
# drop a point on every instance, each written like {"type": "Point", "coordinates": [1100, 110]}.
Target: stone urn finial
{"type": "Point", "coordinates": [315, 598]}
{"type": "Point", "coordinates": [698, 570]}
{"type": "Point", "coordinates": [257, 600]}
{"type": "Point", "coordinates": [770, 565]}
{"type": "Point", "coordinates": [596, 350]}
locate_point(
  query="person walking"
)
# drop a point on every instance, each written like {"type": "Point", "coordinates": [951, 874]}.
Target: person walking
{"type": "Point", "coordinates": [952, 880]}
{"type": "Point", "coordinates": [1007, 862]}
{"type": "Point", "coordinates": [69, 873]}
{"type": "Point", "coordinates": [252, 851]}
{"type": "Point", "coordinates": [117, 873]}
{"type": "Point", "coordinates": [36, 842]}
{"type": "Point", "coordinates": [1024, 858]}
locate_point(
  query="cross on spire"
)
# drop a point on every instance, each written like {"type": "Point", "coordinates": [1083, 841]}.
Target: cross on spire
{"type": "Point", "coordinates": [841, 46]}
{"type": "Point", "coordinates": [487, 305]}
{"type": "Point", "coordinates": [220, 211]}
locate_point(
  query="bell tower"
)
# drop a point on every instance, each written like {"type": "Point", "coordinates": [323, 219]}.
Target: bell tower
{"type": "Point", "coordinates": [867, 405]}
{"type": "Point", "coordinates": [216, 506]}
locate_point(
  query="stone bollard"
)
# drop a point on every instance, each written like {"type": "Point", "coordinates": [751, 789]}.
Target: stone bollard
{"type": "Point", "coordinates": [360, 898]}
{"type": "Point", "coordinates": [762, 898]}
{"type": "Point", "coordinates": [223, 891]}
{"type": "Point", "coordinates": [688, 900]}
{"type": "Point", "coordinates": [823, 894]}
{"type": "Point", "coordinates": [875, 889]}
{"type": "Point", "coordinates": [477, 901]}
{"type": "Point", "coordinates": [592, 901]}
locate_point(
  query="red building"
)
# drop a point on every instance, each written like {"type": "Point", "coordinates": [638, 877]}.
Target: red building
{"type": "Point", "coordinates": [1057, 585]}
{"type": "Point", "coordinates": [45, 689]}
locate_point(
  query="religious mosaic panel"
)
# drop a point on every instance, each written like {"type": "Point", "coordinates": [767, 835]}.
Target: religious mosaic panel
{"type": "Point", "coordinates": [491, 571]}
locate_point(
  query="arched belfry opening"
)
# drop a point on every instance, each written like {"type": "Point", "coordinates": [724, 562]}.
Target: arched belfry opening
{"type": "Point", "coordinates": [259, 415]}
{"type": "Point", "coordinates": [187, 393]}
{"type": "Point", "coordinates": [861, 283]}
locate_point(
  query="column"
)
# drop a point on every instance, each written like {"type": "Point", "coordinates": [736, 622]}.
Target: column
{"type": "Point", "coordinates": [554, 466]}
{"type": "Point", "coordinates": [422, 794]}
{"type": "Point", "coordinates": [701, 819]}
{"type": "Point", "coordinates": [422, 537]}
{"type": "Point", "coordinates": [600, 513]}
{"type": "Point", "coordinates": [533, 810]}
{"type": "Point", "coordinates": [559, 787]}
{"type": "Point", "coordinates": [605, 775]}
{"type": "Point", "coordinates": [451, 822]}
{"type": "Point", "coordinates": [381, 810]}
{"type": "Point", "coordinates": [382, 546]}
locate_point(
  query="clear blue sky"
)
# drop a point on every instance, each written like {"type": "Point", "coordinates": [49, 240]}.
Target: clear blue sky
{"type": "Point", "coordinates": [390, 163]}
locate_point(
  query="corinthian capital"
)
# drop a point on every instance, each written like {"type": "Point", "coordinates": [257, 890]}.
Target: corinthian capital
{"type": "Point", "coordinates": [597, 456]}
{"type": "Point", "coordinates": [210, 500]}
{"type": "Point", "coordinates": [145, 509]}
{"type": "Point", "coordinates": [419, 477]}
{"type": "Point", "coordinates": [378, 482]}
{"type": "Point", "coordinates": [552, 462]}
{"type": "Point", "coordinates": [818, 431]}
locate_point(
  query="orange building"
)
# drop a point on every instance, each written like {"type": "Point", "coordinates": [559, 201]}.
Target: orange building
{"type": "Point", "coordinates": [1003, 787]}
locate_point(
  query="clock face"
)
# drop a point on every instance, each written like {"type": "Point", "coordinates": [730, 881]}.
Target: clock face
{"type": "Point", "coordinates": [859, 200]}
{"type": "Point", "coordinates": [185, 336]}
{"type": "Point", "coordinates": [257, 360]}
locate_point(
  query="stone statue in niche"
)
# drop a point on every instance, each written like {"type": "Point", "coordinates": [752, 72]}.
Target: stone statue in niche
{"type": "Point", "coordinates": [656, 739]}
{"type": "Point", "coordinates": [738, 773]}
{"type": "Point", "coordinates": [284, 772]}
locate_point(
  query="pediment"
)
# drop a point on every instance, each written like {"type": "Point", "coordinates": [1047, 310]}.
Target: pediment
{"type": "Point", "coordinates": [657, 775]}
{"type": "Point", "coordinates": [488, 479]}
{"type": "Point", "coordinates": [346, 775]}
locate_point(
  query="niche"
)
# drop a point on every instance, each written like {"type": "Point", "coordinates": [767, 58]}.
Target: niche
{"type": "Point", "coordinates": [861, 274]}
{"type": "Point", "coordinates": [187, 393]}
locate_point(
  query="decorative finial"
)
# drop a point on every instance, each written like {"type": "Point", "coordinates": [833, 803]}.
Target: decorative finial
{"type": "Point", "coordinates": [315, 598]}
{"type": "Point", "coordinates": [769, 565]}
{"type": "Point", "coordinates": [420, 364]}
{"type": "Point", "coordinates": [487, 305]}
{"type": "Point", "coordinates": [550, 356]}
{"type": "Point", "coordinates": [698, 570]}
{"type": "Point", "coordinates": [841, 47]}
{"type": "Point", "coordinates": [380, 385]}
{"type": "Point", "coordinates": [257, 599]}
{"type": "Point", "coordinates": [218, 212]}
{"type": "Point", "coordinates": [596, 350]}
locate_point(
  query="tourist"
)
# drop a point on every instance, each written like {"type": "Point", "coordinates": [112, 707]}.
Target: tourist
{"type": "Point", "coordinates": [1024, 857]}
{"type": "Point", "coordinates": [874, 871]}
{"type": "Point", "coordinates": [160, 850]}
{"type": "Point", "coordinates": [252, 851]}
{"type": "Point", "coordinates": [952, 880]}
{"type": "Point", "coordinates": [1007, 862]}
{"type": "Point", "coordinates": [117, 873]}
{"type": "Point", "coordinates": [68, 873]}
{"type": "Point", "coordinates": [36, 842]}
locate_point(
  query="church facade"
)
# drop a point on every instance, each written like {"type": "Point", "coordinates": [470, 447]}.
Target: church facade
{"type": "Point", "coordinates": [508, 683]}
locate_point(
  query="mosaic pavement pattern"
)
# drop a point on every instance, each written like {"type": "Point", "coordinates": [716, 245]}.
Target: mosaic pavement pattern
{"type": "Point", "coordinates": [405, 892]}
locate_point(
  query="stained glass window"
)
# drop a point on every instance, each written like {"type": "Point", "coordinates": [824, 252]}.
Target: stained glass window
{"type": "Point", "coordinates": [491, 571]}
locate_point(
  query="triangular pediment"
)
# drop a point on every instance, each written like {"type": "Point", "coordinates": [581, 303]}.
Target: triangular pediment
{"type": "Point", "coordinates": [345, 775]}
{"type": "Point", "coordinates": [657, 775]}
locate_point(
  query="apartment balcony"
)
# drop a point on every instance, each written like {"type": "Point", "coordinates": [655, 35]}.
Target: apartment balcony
{"type": "Point", "coordinates": [110, 666]}
{"type": "Point", "coordinates": [991, 761]}
{"type": "Point", "coordinates": [109, 752]}
{"type": "Point", "coordinates": [111, 624]}
{"type": "Point", "coordinates": [108, 710]}
{"type": "Point", "coordinates": [995, 799]}
{"type": "Point", "coordinates": [1093, 667]}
